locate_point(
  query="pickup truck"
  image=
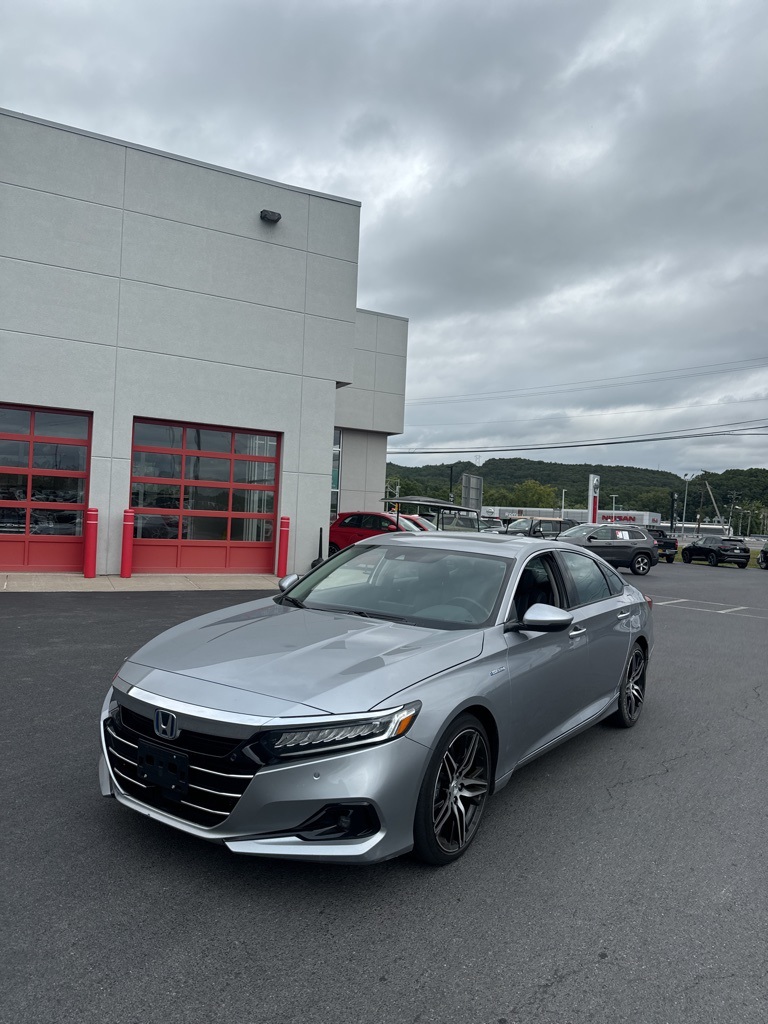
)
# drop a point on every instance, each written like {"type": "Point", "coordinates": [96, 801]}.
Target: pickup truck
{"type": "Point", "coordinates": [667, 543]}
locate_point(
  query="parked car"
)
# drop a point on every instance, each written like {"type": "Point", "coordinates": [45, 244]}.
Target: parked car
{"type": "Point", "coordinates": [350, 527]}
{"type": "Point", "coordinates": [762, 556]}
{"type": "Point", "coordinates": [423, 524]}
{"type": "Point", "coordinates": [667, 544]}
{"type": "Point", "coordinates": [373, 706]}
{"type": "Point", "coordinates": [626, 547]}
{"type": "Point", "coordinates": [717, 550]}
{"type": "Point", "coordinates": [543, 526]}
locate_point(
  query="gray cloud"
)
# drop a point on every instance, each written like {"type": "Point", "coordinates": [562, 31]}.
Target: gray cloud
{"type": "Point", "coordinates": [552, 192]}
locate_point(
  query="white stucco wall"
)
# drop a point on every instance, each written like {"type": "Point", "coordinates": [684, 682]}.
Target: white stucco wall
{"type": "Point", "coordinates": [139, 284]}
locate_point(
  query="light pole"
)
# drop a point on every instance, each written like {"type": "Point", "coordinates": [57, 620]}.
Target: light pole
{"type": "Point", "coordinates": [686, 477]}
{"type": "Point", "coordinates": [613, 508]}
{"type": "Point", "coordinates": [562, 504]}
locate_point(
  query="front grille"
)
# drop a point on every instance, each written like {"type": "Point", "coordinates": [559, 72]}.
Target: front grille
{"type": "Point", "coordinates": [214, 771]}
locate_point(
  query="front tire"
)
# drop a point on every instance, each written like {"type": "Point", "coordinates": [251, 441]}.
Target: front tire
{"type": "Point", "coordinates": [686, 557]}
{"type": "Point", "coordinates": [712, 558]}
{"type": "Point", "coordinates": [632, 690]}
{"type": "Point", "coordinates": [641, 564]}
{"type": "Point", "coordinates": [453, 793]}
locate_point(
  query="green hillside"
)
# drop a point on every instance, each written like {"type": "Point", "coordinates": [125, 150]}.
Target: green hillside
{"type": "Point", "coordinates": [520, 481]}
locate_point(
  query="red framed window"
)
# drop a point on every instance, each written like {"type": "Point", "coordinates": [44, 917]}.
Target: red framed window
{"type": "Point", "coordinates": [213, 489]}
{"type": "Point", "coordinates": [44, 473]}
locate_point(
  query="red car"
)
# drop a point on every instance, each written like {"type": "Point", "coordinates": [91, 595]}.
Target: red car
{"type": "Point", "coordinates": [353, 526]}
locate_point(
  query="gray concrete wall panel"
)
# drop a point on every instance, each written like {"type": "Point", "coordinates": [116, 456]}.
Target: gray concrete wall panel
{"type": "Point", "coordinates": [68, 375]}
{"type": "Point", "coordinates": [185, 192]}
{"type": "Point", "coordinates": [61, 161]}
{"type": "Point", "coordinates": [331, 288]}
{"type": "Point", "coordinates": [110, 517]}
{"type": "Point", "coordinates": [166, 387]}
{"type": "Point", "coordinates": [334, 228]}
{"type": "Point", "coordinates": [388, 413]}
{"type": "Point", "coordinates": [364, 374]}
{"type": "Point", "coordinates": [366, 329]}
{"type": "Point", "coordinates": [180, 256]}
{"type": "Point", "coordinates": [316, 426]}
{"type": "Point", "coordinates": [329, 349]}
{"type": "Point", "coordinates": [44, 228]}
{"type": "Point", "coordinates": [392, 335]}
{"type": "Point", "coordinates": [354, 408]}
{"type": "Point", "coordinates": [38, 299]}
{"type": "Point", "coordinates": [390, 373]}
{"type": "Point", "coordinates": [182, 323]}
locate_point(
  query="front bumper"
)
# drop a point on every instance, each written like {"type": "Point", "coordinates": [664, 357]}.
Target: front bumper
{"type": "Point", "coordinates": [282, 797]}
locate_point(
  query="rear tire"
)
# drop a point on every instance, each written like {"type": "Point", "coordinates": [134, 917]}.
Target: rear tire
{"type": "Point", "coordinates": [712, 558]}
{"type": "Point", "coordinates": [641, 564]}
{"type": "Point", "coordinates": [332, 549]}
{"type": "Point", "coordinates": [670, 559]}
{"type": "Point", "coordinates": [742, 565]}
{"type": "Point", "coordinates": [632, 690]}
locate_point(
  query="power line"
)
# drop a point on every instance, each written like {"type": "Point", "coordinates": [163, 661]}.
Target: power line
{"type": "Point", "coordinates": [747, 428]}
{"type": "Point", "coordinates": [597, 384]}
{"type": "Point", "coordinates": [593, 415]}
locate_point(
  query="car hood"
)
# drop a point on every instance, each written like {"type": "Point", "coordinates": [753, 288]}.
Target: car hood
{"type": "Point", "coordinates": [268, 658]}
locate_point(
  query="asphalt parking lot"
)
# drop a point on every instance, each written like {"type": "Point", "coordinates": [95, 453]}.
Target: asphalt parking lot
{"type": "Point", "coordinates": [620, 878]}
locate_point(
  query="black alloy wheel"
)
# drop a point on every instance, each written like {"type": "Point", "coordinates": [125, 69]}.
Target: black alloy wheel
{"type": "Point", "coordinates": [686, 557]}
{"type": "Point", "coordinates": [712, 558]}
{"type": "Point", "coordinates": [632, 690]}
{"type": "Point", "coordinates": [641, 564]}
{"type": "Point", "coordinates": [453, 793]}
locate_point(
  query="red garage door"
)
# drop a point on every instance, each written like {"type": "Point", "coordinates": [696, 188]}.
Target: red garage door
{"type": "Point", "coordinates": [205, 498]}
{"type": "Point", "coordinates": [44, 460]}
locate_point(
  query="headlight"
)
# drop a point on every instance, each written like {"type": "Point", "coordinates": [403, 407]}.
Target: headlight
{"type": "Point", "coordinates": [309, 740]}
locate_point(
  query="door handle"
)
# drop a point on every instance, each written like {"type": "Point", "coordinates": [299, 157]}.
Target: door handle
{"type": "Point", "coordinates": [578, 630]}
{"type": "Point", "coordinates": [623, 615]}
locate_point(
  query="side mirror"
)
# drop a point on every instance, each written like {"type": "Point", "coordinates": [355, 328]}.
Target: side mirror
{"type": "Point", "coordinates": [288, 581]}
{"type": "Point", "coordinates": [541, 618]}
{"type": "Point", "coordinates": [392, 528]}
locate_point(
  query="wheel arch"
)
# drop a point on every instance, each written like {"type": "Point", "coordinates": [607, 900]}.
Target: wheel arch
{"type": "Point", "coordinates": [488, 722]}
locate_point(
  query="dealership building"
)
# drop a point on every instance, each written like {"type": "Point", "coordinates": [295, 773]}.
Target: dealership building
{"type": "Point", "coordinates": [181, 340]}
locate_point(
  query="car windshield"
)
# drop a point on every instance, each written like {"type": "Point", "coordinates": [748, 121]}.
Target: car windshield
{"type": "Point", "coordinates": [422, 586]}
{"type": "Point", "coordinates": [578, 531]}
{"type": "Point", "coordinates": [519, 525]}
{"type": "Point", "coordinates": [408, 524]}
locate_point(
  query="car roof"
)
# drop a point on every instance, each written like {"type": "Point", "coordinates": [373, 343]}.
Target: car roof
{"type": "Point", "coordinates": [550, 519]}
{"type": "Point", "coordinates": [503, 544]}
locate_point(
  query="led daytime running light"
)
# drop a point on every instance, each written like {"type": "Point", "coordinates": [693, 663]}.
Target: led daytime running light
{"type": "Point", "coordinates": [324, 737]}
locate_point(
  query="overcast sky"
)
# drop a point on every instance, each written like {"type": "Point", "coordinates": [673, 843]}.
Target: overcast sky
{"type": "Point", "coordinates": [567, 198]}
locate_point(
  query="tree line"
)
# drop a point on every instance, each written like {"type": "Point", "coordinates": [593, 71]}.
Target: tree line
{"type": "Point", "coordinates": [530, 483]}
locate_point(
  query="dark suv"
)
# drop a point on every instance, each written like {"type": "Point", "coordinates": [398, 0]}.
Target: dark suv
{"type": "Point", "coordinates": [762, 556]}
{"type": "Point", "coordinates": [717, 550]}
{"type": "Point", "coordinates": [540, 526]}
{"type": "Point", "coordinates": [626, 547]}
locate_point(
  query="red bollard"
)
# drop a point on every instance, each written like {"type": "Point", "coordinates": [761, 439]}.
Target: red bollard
{"type": "Point", "coordinates": [90, 538]}
{"type": "Point", "coordinates": [126, 558]}
{"type": "Point", "coordinates": [282, 553]}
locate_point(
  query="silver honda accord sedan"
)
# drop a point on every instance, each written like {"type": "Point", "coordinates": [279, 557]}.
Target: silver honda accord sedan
{"type": "Point", "coordinates": [374, 705]}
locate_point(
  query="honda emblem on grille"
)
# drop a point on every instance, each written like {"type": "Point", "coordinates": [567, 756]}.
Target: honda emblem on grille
{"type": "Point", "coordinates": [165, 725]}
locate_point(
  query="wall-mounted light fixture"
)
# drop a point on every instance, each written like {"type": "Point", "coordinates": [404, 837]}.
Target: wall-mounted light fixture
{"type": "Point", "coordinates": [270, 215]}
